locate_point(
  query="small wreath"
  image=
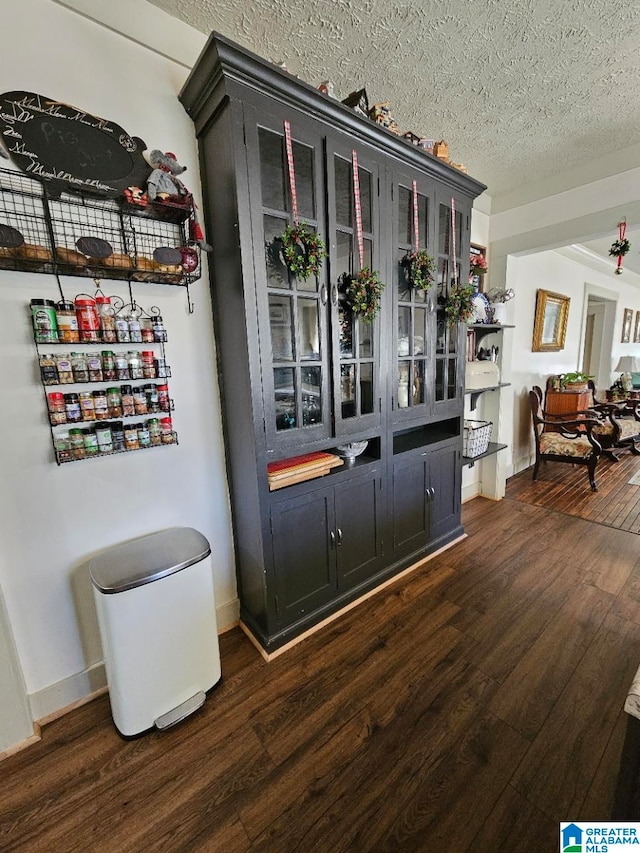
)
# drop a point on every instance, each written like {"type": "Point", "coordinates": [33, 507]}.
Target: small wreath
{"type": "Point", "coordinates": [363, 293]}
{"type": "Point", "coordinates": [619, 248]}
{"type": "Point", "coordinates": [303, 250]}
{"type": "Point", "coordinates": [420, 268]}
{"type": "Point", "coordinates": [459, 304]}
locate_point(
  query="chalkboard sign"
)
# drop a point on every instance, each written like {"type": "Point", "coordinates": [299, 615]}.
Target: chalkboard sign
{"type": "Point", "coordinates": [166, 255]}
{"type": "Point", "coordinates": [10, 237]}
{"type": "Point", "coordinates": [94, 247]}
{"type": "Point", "coordinates": [70, 149]}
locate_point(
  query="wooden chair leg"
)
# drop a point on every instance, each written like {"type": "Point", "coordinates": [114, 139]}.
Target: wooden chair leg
{"type": "Point", "coordinates": [591, 467]}
{"type": "Point", "coordinates": [535, 469]}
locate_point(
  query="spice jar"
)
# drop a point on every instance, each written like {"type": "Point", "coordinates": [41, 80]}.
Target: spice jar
{"type": "Point", "coordinates": [144, 439]}
{"type": "Point", "coordinates": [76, 442]}
{"type": "Point", "coordinates": [126, 396]}
{"type": "Point", "coordinates": [146, 330]}
{"type": "Point", "coordinates": [122, 329]}
{"type": "Point", "coordinates": [163, 398]}
{"type": "Point", "coordinates": [72, 408]}
{"type": "Point", "coordinates": [79, 367]}
{"type": "Point", "coordinates": [88, 319]}
{"type": "Point", "coordinates": [148, 364]}
{"type": "Point", "coordinates": [90, 442]}
{"type": "Point", "coordinates": [62, 444]}
{"type": "Point", "coordinates": [87, 409]}
{"type": "Point", "coordinates": [159, 331]}
{"type": "Point", "coordinates": [161, 368]}
{"type": "Point", "coordinates": [57, 408]}
{"type": "Point", "coordinates": [105, 438]}
{"type": "Point", "coordinates": [114, 401]}
{"type": "Point", "coordinates": [155, 431]}
{"type": "Point", "coordinates": [131, 437]}
{"type": "Point", "coordinates": [139, 401]}
{"type": "Point", "coordinates": [107, 318]}
{"type": "Point", "coordinates": [135, 364]}
{"type": "Point", "coordinates": [117, 436]}
{"type": "Point", "coordinates": [135, 332]}
{"type": "Point", "coordinates": [45, 326]}
{"type": "Point", "coordinates": [64, 369]}
{"type": "Point", "coordinates": [151, 393]}
{"type": "Point", "coordinates": [108, 365]}
{"type": "Point", "coordinates": [48, 369]}
{"type": "Point", "coordinates": [67, 322]}
{"type": "Point", "coordinates": [94, 364]}
{"type": "Point", "coordinates": [100, 405]}
{"type": "Point", "coordinates": [122, 366]}
{"type": "Point", "coordinates": [166, 425]}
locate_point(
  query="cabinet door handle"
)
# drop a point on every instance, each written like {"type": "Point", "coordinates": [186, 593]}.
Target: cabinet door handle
{"type": "Point", "coordinates": [334, 295]}
{"type": "Point", "coordinates": [324, 294]}
{"type": "Point", "coordinates": [332, 537]}
{"type": "Point", "coordinates": [339, 537]}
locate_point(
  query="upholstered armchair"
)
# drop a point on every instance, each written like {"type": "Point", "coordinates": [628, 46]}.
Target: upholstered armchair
{"type": "Point", "coordinates": [564, 440]}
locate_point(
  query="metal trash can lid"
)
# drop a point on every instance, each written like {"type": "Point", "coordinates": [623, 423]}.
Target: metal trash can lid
{"type": "Point", "coordinates": [147, 559]}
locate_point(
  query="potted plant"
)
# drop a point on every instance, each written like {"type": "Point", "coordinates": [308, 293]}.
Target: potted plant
{"type": "Point", "coordinates": [576, 381]}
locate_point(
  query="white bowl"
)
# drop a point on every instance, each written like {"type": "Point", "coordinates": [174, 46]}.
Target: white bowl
{"type": "Point", "coordinates": [350, 451]}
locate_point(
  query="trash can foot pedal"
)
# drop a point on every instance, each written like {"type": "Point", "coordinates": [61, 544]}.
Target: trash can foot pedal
{"type": "Point", "coordinates": [181, 711]}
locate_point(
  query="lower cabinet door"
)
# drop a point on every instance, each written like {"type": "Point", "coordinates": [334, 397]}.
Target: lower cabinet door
{"type": "Point", "coordinates": [303, 554]}
{"type": "Point", "coordinates": [411, 517]}
{"type": "Point", "coordinates": [358, 532]}
{"type": "Point", "coordinates": [444, 484]}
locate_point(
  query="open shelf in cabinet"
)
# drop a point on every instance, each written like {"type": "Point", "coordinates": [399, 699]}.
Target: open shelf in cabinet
{"type": "Point", "coordinates": [425, 435]}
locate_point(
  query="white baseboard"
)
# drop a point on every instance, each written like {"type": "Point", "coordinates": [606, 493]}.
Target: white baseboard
{"type": "Point", "coordinates": [57, 699]}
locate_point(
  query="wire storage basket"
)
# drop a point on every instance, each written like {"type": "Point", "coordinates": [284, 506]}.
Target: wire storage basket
{"type": "Point", "coordinates": [476, 435]}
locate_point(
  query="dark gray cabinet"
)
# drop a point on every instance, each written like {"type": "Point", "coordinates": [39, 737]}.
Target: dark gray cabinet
{"type": "Point", "coordinates": [299, 371]}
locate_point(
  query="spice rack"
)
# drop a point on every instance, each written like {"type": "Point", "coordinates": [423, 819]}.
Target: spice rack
{"type": "Point", "coordinates": [88, 424]}
{"type": "Point", "coordinates": [71, 235]}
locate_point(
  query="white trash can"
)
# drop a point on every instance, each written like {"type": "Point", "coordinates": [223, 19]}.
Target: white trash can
{"type": "Point", "coordinates": [156, 610]}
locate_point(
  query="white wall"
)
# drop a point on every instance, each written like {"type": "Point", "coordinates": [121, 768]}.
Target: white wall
{"type": "Point", "coordinates": [52, 519]}
{"type": "Point", "coordinates": [553, 271]}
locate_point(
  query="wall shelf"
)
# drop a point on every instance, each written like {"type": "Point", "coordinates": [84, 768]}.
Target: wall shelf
{"type": "Point", "coordinates": [493, 447]}
{"type": "Point", "coordinates": [474, 393]}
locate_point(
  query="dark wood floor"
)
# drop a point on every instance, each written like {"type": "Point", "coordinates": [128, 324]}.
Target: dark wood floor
{"type": "Point", "coordinates": [565, 488]}
{"type": "Point", "coordinates": [471, 706]}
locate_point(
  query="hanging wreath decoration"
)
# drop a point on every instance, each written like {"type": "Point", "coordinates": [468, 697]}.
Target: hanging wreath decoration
{"type": "Point", "coordinates": [419, 264]}
{"type": "Point", "coordinates": [363, 293]}
{"type": "Point", "coordinates": [620, 247]}
{"type": "Point", "coordinates": [420, 268]}
{"type": "Point", "coordinates": [459, 304]}
{"type": "Point", "coordinates": [363, 290]}
{"type": "Point", "coordinates": [303, 250]}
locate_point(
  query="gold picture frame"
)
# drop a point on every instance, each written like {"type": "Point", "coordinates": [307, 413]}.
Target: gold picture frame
{"type": "Point", "coordinates": [627, 320]}
{"type": "Point", "coordinates": [550, 324]}
{"type": "Point", "coordinates": [478, 281]}
{"type": "Point", "coordinates": [636, 331]}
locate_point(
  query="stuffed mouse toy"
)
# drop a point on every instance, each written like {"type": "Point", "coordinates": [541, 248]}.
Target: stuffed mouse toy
{"type": "Point", "coordinates": [163, 185]}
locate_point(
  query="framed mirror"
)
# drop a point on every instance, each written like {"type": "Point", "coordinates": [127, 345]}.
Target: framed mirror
{"type": "Point", "coordinates": [550, 325]}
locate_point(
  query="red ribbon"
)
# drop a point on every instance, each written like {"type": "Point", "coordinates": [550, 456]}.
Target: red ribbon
{"type": "Point", "coordinates": [416, 233]}
{"type": "Point", "coordinates": [292, 172]}
{"type": "Point", "coordinates": [453, 240]}
{"type": "Point", "coordinates": [622, 231]}
{"type": "Point", "coordinates": [358, 206]}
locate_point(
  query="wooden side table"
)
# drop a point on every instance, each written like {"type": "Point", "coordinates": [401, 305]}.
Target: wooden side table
{"type": "Point", "coordinates": [566, 403]}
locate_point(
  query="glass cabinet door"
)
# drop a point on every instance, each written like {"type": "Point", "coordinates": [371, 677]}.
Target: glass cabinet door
{"type": "Point", "coordinates": [356, 342]}
{"type": "Point", "coordinates": [413, 373]}
{"type": "Point", "coordinates": [449, 341]}
{"type": "Point", "coordinates": [292, 310]}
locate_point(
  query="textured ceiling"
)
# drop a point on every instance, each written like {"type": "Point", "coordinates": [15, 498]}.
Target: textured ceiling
{"type": "Point", "coordinates": [520, 89]}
